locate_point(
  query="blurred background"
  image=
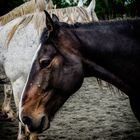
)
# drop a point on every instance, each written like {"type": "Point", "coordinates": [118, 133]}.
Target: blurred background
{"type": "Point", "coordinates": [105, 9]}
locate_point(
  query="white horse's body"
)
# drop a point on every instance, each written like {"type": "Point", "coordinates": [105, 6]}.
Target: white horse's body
{"type": "Point", "coordinates": [26, 8]}
{"type": "Point", "coordinates": [15, 60]}
{"type": "Point", "coordinates": [19, 53]}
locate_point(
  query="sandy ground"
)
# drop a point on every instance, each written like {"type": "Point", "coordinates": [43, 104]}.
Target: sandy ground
{"type": "Point", "coordinates": [90, 114]}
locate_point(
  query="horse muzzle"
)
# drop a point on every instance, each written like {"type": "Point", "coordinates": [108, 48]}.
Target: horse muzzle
{"type": "Point", "coordinates": [36, 124]}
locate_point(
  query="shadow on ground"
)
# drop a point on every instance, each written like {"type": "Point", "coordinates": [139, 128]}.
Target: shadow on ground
{"type": "Point", "coordinates": [90, 114]}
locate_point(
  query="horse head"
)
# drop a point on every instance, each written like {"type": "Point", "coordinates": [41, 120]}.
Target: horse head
{"type": "Point", "coordinates": [56, 73]}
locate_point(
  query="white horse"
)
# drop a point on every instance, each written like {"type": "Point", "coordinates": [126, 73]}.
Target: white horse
{"type": "Point", "coordinates": [21, 36]}
{"type": "Point", "coordinates": [26, 8]}
{"type": "Point", "coordinates": [16, 58]}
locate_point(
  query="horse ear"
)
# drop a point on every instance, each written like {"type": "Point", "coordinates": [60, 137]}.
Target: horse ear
{"type": "Point", "coordinates": [55, 18]}
{"type": "Point", "coordinates": [91, 6]}
{"type": "Point", "coordinates": [80, 3]}
{"type": "Point", "coordinates": [49, 22]}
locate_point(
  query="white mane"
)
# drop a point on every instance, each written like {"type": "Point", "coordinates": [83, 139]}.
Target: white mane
{"type": "Point", "coordinates": [26, 8]}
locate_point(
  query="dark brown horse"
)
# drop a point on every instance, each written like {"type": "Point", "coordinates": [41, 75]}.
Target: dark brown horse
{"type": "Point", "coordinates": [68, 53]}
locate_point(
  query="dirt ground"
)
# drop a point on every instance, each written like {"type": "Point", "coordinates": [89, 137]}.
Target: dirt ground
{"type": "Point", "coordinates": [90, 114]}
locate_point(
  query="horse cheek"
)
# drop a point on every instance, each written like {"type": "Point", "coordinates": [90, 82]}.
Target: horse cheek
{"type": "Point", "coordinates": [72, 79]}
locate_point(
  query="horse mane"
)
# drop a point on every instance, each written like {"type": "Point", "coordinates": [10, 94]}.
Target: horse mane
{"type": "Point", "coordinates": [38, 19]}
{"type": "Point", "coordinates": [71, 14]}
{"type": "Point", "coordinates": [50, 5]}
{"type": "Point", "coordinates": [26, 8]}
{"type": "Point", "coordinates": [114, 90]}
{"type": "Point", "coordinates": [92, 25]}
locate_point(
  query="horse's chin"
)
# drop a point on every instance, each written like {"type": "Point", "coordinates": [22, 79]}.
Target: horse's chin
{"type": "Point", "coordinates": [44, 129]}
{"type": "Point", "coordinates": [48, 126]}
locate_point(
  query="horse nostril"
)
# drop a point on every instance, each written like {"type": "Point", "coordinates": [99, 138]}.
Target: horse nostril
{"type": "Point", "coordinates": [26, 120]}
{"type": "Point", "coordinates": [42, 121]}
{"type": "Point", "coordinates": [35, 124]}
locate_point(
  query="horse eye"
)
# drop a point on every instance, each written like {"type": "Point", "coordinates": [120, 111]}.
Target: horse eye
{"type": "Point", "coordinates": [44, 62]}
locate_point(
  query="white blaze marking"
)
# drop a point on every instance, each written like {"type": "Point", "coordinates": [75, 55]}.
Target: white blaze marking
{"type": "Point", "coordinates": [20, 103]}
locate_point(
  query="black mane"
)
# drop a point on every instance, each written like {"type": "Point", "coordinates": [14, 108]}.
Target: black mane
{"type": "Point", "coordinates": [133, 24]}
{"type": "Point", "coordinates": [89, 25]}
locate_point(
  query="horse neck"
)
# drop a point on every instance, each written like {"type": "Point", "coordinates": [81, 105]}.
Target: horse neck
{"type": "Point", "coordinates": [107, 48]}
{"type": "Point", "coordinates": [102, 40]}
